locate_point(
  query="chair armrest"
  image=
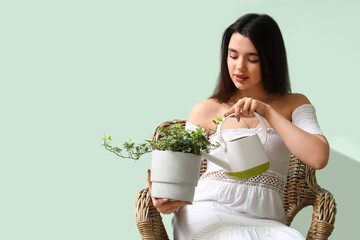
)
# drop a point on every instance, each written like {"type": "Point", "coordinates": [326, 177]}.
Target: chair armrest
{"type": "Point", "coordinates": [302, 190]}
{"type": "Point", "coordinates": [148, 219]}
{"type": "Point", "coordinates": [324, 212]}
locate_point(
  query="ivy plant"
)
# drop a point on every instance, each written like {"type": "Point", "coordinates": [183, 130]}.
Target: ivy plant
{"type": "Point", "coordinates": [173, 138]}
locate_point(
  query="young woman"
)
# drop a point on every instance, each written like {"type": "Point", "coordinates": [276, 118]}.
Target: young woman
{"type": "Point", "coordinates": [253, 77]}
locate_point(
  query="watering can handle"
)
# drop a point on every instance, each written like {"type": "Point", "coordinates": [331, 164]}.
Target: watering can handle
{"type": "Point", "coordinates": [261, 120]}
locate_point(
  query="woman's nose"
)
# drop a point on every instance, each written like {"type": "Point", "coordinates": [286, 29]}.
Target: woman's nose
{"type": "Point", "coordinates": [240, 64]}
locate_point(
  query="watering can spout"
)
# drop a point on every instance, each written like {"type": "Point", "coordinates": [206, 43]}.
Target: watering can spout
{"type": "Point", "coordinates": [224, 164]}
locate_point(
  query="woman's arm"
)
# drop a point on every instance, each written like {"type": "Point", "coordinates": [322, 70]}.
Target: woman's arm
{"type": "Point", "coordinates": [312, 149]}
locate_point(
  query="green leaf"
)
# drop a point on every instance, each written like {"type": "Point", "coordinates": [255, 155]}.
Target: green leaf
{"type": "Point", "coordinates": [173, 138]}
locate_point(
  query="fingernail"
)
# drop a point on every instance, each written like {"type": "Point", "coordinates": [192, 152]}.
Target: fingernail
{"type": "Point", "coordinates": [166, 200]}
{"type": "Point", "coordinates": [148, 170]}
{"type": "Point", "coordinates": [238, 119]}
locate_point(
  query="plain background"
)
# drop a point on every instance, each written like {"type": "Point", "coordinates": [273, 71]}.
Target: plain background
{"type": "Point", "coordinates": [73, 70]}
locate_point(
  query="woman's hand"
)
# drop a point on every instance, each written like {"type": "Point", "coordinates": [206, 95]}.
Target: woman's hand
{"type": "Point", "coordinates": [165, 205]}
{"type": "Point", "coordinates": [311, 149]}
{"type": "Point", "coordinates": [245, 107]}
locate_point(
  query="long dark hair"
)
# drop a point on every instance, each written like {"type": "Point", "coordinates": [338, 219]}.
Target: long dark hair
{"type": "Point", "coordinates": [265, 34]}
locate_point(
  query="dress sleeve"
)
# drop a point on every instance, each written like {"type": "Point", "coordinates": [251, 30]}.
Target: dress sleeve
{"type": "Point", "coordinates": [305, 118]}
{"type": "Point", "coordinates": [190, 126]}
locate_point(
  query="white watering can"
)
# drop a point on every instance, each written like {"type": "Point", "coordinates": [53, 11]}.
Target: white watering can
{"type": "Point", "coordinates": [243, 157]}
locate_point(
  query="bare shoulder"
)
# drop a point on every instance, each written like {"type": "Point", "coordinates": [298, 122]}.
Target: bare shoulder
{"type": "Point", "coordinates": [286, 104]}
{"type": "Point", "coordinates": [294, 100]}
{"type": "Point", "coordinates": [297, 99]}
{"type": "Point", "coordinates": [204, 112]}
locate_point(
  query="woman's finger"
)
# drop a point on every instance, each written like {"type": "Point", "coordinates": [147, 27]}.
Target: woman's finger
{"type": "Point", "coordinates": [149, 179]}
{"type": "Point", "coordinates": [166, 207]}
{"type": "Point", "coordinates": [228, 112]}
{"type": "Point", "coordinates": [171, 208]}
{"type": "Point", "coordinates": [238, 110]}
{"type": "Point", "coordinates": [253, 107]}
{"type": "Point", "coordinates": [246, 106]}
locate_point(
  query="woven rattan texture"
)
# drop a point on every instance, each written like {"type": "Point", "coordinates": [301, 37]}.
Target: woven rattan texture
{"type": "Point", "coordinates": [301, 190]}
{"type": "Point", "coordinates": [148, 219]}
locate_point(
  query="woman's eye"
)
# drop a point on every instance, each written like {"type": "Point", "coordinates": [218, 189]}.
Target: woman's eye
{"type": "Point", "coordinates": [253, 60]}
{"type": "Point", "coordinates": [233, 57]}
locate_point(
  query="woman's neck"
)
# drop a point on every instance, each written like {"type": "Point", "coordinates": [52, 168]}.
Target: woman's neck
{"type": "Point", "coordinates": [260, 95]}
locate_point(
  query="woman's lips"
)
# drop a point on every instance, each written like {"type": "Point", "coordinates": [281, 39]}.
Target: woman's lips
{"type": "Point", "coordinates": [240, 78]}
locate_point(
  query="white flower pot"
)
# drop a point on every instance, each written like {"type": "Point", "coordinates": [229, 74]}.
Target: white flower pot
{"type": "Point", "coordinates": [174, 175]}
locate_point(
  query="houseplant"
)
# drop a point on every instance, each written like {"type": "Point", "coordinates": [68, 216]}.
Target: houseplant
{"type": "Point", "coordinates": [176, 159]}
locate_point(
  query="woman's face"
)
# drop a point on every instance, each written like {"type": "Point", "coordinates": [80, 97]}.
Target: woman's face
{"type": "Point", "coordinates": [243, 63]}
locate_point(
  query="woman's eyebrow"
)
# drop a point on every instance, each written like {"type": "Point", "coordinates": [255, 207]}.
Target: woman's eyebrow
{"type": "Point", "coordinates": [232, 50]}
{"type": "Point", "coordinates": [250, 53]}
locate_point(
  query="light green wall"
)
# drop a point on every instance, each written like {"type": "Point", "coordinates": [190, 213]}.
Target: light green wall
{"type": "Point", "coordinates": [71, 70]}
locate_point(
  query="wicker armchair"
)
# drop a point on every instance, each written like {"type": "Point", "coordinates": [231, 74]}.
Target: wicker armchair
{"type": "Point", "coordinates": [301, 190]}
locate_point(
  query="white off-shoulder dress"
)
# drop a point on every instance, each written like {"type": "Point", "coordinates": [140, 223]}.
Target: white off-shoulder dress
{"type": "Point", "coordinates": [243, 209]}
